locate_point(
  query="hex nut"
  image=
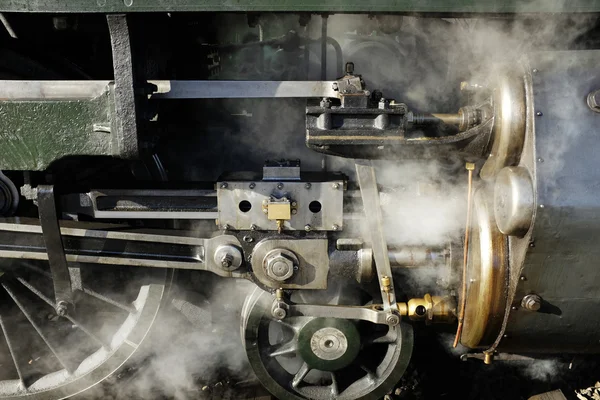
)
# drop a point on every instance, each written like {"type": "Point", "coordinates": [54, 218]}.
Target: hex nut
{"type": "Point", "coordinates": [228, 257]}
{"type": "Point", "coordinates": [279, 264]}
{"type": "Point", "coordinates": [532, 302]}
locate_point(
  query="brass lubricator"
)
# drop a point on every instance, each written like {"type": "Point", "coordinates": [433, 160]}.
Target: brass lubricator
{"type": "Point", "coordinates": [386, 285]}
{"type": "Point", "coordinates": [279, 210]}
{"type": "Point", "coordinates": [431, 309]}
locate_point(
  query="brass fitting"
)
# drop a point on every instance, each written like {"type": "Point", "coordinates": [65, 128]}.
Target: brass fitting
{"type": "Point", "coordinates": [488, 358]}
{"type": "Point", "coordinates": [386, 284]}
{"type": "Point", "coordinates": [431, 309]}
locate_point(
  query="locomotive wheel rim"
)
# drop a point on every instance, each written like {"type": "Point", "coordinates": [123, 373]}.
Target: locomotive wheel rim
{"type": "Point", "coordinates": [98, 365]}
{"type": "Point", "coordinates": [377, 382]}
{"type": "Point", "coordinates": [487, 273]}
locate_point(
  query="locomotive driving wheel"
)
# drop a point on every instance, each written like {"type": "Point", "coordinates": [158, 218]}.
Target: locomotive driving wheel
{"type": "Point", "coordinates": [47, 356]}
{"type": "Point", "coordinates": [304, 357]}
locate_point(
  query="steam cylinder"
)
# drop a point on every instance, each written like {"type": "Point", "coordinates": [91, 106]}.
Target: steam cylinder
{"type": "Point", "coordinates": [561, 250]}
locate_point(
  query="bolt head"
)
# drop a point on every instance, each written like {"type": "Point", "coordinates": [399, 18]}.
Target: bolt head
{"type": "Point", "coordinates": [307, 186]}
{"type": "Point", "coordinates": [532, 302]}
{"type": "Point", "coordinates": [392, 320]}
{"type": "Point", "coordinates": [335, 185]}
{"type": "Point", "coordinates": [279, 266]}
{"type": "Point", "coordinates": [335, 227]}
{"type": "Point", "coordinates": [307, 228]}
{"type": "Point", "coordinates": [62, 308]}
{"type": "Point", "coordinates": [226, 260]}
{"type": "Point", "coordinates": [224, 185]}
{"type": "Point", "coordinates": [279, 313]}
{"type": "Point", "coordinates": [280, 186]}
{"type": "Point", "coordinates": [325, 103]}
{"type": "Point", "coordinates": [252, 185]}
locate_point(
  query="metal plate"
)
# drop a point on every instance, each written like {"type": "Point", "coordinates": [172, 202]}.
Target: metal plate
{"type": "Point", "coordinates": [412, 6]}
{"type": "Point", "coordinates": [330, 196]}
{"type": "Point", "coordinates": [313, 263]}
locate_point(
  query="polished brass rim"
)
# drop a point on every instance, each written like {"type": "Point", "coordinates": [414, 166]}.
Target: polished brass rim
{"type": "Point", "coordinates": [509, 125]}
{"type": "Point", "coordinates": [487, 273]}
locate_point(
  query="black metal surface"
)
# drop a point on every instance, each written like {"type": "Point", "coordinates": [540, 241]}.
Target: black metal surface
{"type": "Point", "coordinates": [374, 133]}
{"type": "Point", "coordinates": [561, 264]}
{"type": "Point", "coordinates": [63, 292]}
{"type": "Point", "coordinates": [101, 247]}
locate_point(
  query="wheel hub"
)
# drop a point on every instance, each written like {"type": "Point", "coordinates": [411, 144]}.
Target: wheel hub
{"type": "Point", "coordinates": [329, 344]}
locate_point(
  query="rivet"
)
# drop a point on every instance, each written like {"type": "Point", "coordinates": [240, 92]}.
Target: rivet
{"type": "Point", "coordinates": [540, 160]}
{"type": "Point", "coordinates": [224, 185]}
{"type": "Point", "coordinates": [523, 278]}
{"type": "Point", "coordinates": [541, 206]}
{"type": "Point", "coordinates": [280, 186]}
{"type": "Point", "coordinates": [252, 185]}
{"type": "Point", "coordinates": [539, 113]}
{"type": "Point", "coordinates": [307, 186]}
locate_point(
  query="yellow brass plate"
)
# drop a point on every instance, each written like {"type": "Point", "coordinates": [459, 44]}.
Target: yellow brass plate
{"type": "Point", "coordinates": [282, 211]}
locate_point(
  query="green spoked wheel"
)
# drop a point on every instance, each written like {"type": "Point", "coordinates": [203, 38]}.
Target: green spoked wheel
{"type": "Point", "coordinates": [304, 357]}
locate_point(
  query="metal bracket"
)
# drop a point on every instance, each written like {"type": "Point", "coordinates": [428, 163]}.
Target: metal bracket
{"type": "Point", "coordinates": [125, 105]}
{"type": "Point", "coordinates": [63, 292]}
{"type": "Point", "coordinates": [372, 207]}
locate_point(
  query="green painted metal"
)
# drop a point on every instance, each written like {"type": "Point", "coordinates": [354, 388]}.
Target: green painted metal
{"type": "Point", "coordinates": [405, 6]}
{"type": "Point", "coordinates": [36, 133]}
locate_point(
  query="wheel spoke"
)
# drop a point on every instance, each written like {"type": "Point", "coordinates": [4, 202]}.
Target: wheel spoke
{"type": "Point", "coordinates": [12, 351]}
{"type": "Point", "coordinates": [335, 391]}
{"type": "Point", "coordinates": [386, 339]}
{"type": "Point", "coordinates": [300, 375]}
{"type": "Point", "coordinates": [36, 292]}
{"type": "Point", "coordinates": [85, 290]}
{"type": "Point", "coordinates": [372, 375]}
{"type": "Point", "coordinates": [37, 328]}
{"type": "Point", "coordinates": [283, 349]}
{"type": "Point", "coordinates": [107, 300]}
{"type": "Point", "coordinates": [292, 323]}
{"type": "Point", "coordinates": [75, 322]}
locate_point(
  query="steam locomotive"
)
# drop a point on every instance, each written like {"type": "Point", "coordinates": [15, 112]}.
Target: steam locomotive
{"type": "Point", "coordinates": [368, 168]}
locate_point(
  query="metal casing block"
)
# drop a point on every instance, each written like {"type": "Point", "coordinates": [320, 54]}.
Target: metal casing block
{"type": "Point", "coordinates": [312, 266]}
{"type": "Point", "coordinates": [317, 204]}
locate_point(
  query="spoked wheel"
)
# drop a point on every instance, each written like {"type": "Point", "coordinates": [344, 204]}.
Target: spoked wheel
{"type": "Point", "coordinates": [304, 357]}
{"type": "Point", "coordinates": [45, 356]}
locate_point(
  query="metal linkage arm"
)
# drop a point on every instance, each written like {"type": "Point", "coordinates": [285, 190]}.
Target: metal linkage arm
{"type": "Point", "coordinates": [63, 292]}
{"type": "Point", "coordinates": [372, 208]}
